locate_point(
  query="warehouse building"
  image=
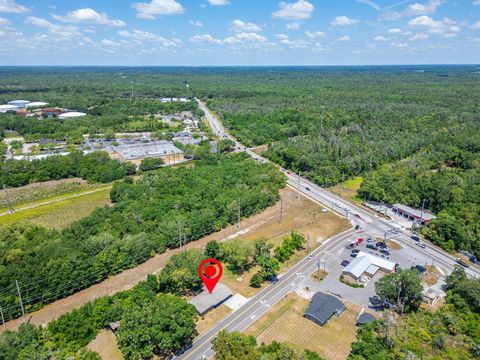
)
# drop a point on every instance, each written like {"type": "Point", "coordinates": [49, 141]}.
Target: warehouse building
{"type": "Point", "coordinates": [71, 114]}
{"type": "Point", "coordinates": [21, 104]}
{"type": "Point", "coordinates": [7, 108]}
{"type": "Point", "coordinates": [133, 150]}
{"type": "Point", "coordinates": [418, 216]}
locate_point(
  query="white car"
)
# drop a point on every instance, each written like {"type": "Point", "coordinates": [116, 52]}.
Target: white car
{"type": "Point", "coordinates": [310, 256]}
{"type": "Point", "coordinates": [421, 244]}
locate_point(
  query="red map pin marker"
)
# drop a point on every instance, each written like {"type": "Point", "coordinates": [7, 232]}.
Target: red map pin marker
{"type": "Point", "coordinates": [210, 271]}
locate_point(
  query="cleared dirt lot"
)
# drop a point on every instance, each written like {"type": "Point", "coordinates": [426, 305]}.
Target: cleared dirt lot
{"type": "Point", "coordinates": [267, 222]}
{"type": "Point", "coordinates": [285, 322]}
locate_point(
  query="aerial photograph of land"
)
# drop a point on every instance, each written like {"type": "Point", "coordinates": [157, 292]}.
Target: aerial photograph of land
{"type": "Point", "coordinates": [240, 180]}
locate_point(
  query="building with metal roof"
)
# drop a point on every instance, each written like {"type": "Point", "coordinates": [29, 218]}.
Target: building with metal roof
{"type": "Point", "coordinates": [419, 216]}
{"type": "Point", "coordinates": [138, 150]}
{"type": "Point", "coordinates": [71, 114]}
{"type": "Point", "coordinates": [19, 103]}
{"type": "Point", "coordinates": [6, 108]}
{"type": "Point", "coordinates": [36, 104]}
{"type": "Point", "coordinates": [368, 265]}
{"type": "Point", "coordinates": [322, 307]}
{"type": "Point", "coordinates": [205, 301]}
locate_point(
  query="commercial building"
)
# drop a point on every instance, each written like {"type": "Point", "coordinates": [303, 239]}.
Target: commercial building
{"type": "Point", "coordinates": [322, 307]}
{"type": "Point", "coordinates": [36, 104]}
{"type": "Point", "coordinates": [418, 216]}
{"type": "Point", "coordinates": [367, 265]}
{"type": "Point", "coordinates": [21, 104]}
{"type": "Point", "coordinates": [6, 108]}
{"type": "Point", "coordinates": [133, 150]}
{"type": "Point", "coordinates": [205, 301]}
{"type": "Point", "coordinates": [71, 114]}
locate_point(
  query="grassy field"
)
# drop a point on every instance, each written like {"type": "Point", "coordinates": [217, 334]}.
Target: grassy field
{"type": "Point", "coordinates": [29, 194]}
{"type": "Point", "coordinates": [285, 322]}
{"type": "Point", "coordinates": [300, 214]}
{"type": "Point", "coordinates": [59, 211]}
{"type": "Point", "coordinates": [211, 318]}
{"type": "Point", "coordinates": [348, 190]}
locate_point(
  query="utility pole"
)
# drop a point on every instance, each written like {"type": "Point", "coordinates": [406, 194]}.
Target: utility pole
{"type": "Point", "coordinates": [238, 213]}
{"type": "Point", "coordinates": [308, 243]}
{"type": "Point", "coordinates": [21, 302]}
{"type": "Point", "coordinates": [318, 269]}
{"type": "Point", "coordinates": [3, 319]}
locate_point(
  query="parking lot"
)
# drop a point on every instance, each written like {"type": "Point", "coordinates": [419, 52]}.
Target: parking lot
{"type": "Point", "coordinates": [405, 255]}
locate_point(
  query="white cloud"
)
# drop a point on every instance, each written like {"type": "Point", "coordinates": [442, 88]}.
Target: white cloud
{"type": "Point", "coordinates": [4, 22]}
{"type": "Point", "coordinates": [420, 36]}
{"type": "Point", "coordinates": [43, 23]}
{"type": "Point", "coordinates": [379, 38]}
{"type": "Point", "coordinates": [395, 31]}
{"type": "Point", "coordinates": [294, 11]}
{"type": "Point", "coordinates": [446, 27]}
{"type": "Point", "coordinates": [476, 26]}
{"type": "Point", "coordinates": [10, 6]}
{"type": "Point", "coordinates": [218, 2]}
{"type": "Point", "coordinates": [281, 36]}
{"type": "Point", "coordinates": [241, 26]}
{"type": "Point", "coordinates": [142, 36]}
{"type": "Point", "coordinates": [293, 26]}
{"type": "Point", "coordinates": [344, 38]}
{"type": "Point", "coordinates": [88, 16]}
{"type": "Point", "coordinates": [424, 9]}
{"type": "Point", "coordinates": [109, 43]}
{"type": "Point", "coordinates": [157, 7]}
{"type": "Point", "coordinates": [417, 9]}
{"type": "Point", "coordinates": [195, 23]}
{"type": "Point", "coordinates": [369, 3]}
{"type": "Point", "coordinates": [205, 38]}
{"type": "Point", "coordinates": [251, 37]}
{"type": "Point", "coordinates": [315, 34]}
{"type": "Point", "coordinates": [343, 21]}
{"type": "Point", "coordinates": [476, 2]}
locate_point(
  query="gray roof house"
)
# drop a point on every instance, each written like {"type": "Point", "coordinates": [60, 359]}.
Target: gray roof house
{"type": "Point", "coordinates": [322, 307]}
{"type": "Point", "coordinates": [204, 302]}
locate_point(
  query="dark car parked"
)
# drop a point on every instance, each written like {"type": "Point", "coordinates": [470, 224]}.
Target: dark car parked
{"type": "Point", "coordinates": [371, 246]}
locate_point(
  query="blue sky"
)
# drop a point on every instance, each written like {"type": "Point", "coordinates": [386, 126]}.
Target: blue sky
{"type": "Point", "coordinates": [239, 32]}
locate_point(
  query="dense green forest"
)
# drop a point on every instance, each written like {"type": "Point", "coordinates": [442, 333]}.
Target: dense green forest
{"type": "Point", "coordinates": [453, 332]}
{"type": "Point", "coordinates": [94, 167]}
{"type": "Point", "coordinates": [164, 209]}
{"type": "Point", "coordinates": [413, 133]}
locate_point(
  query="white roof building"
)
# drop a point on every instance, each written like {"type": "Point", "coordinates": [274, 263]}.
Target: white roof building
{"type": "Point", "coordinates": [5, 108]}
{"type": "Point", "coordinates": [367, 264]}
{"type": "Point", "coordinates": [36, 104]}
{"type": "Point", "coordinates": [18, 102]}
{"type": "Point", "coordinates": [71, 114]}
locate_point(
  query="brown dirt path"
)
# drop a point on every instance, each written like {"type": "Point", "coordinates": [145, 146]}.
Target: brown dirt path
{"type": "Point", "coordinates": [129, 278]}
